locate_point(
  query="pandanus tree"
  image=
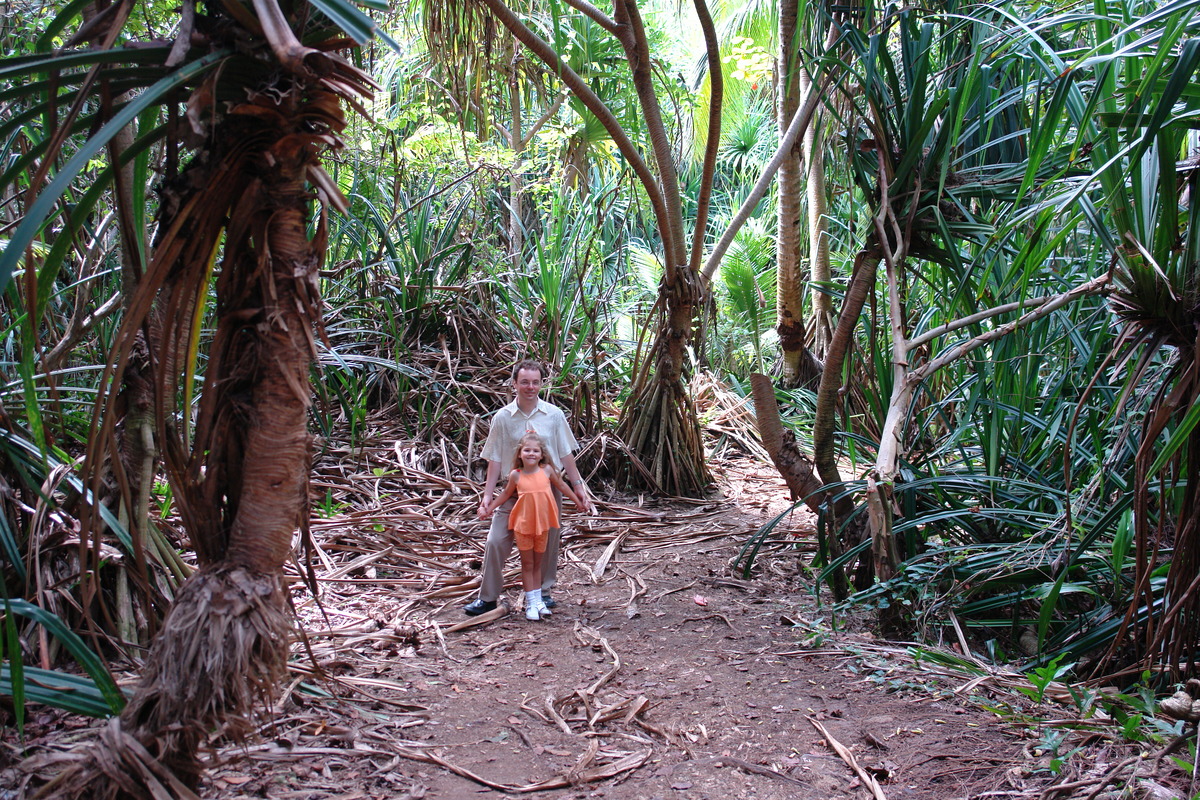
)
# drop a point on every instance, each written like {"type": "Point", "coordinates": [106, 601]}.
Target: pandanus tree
{"type": "Point", "coordinates": [983, 150]}
{"type": "Point", "coordinates": [937, 149]}
{"type": "Point", "coordinates": [1138, 120]}
{"type": "Point", "coordinates": [659, 421]}
{"type": "Point", "coordinates": [240, 105]}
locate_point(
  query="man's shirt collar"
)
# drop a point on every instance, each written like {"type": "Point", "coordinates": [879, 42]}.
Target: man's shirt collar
{"type": "Point", "coordinates": [513, 409]}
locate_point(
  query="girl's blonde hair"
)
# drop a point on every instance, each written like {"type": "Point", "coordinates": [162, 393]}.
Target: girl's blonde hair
{"type": "Point", "coordinates": [530, 437]}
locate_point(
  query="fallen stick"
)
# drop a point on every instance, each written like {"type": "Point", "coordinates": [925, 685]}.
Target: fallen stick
{"type": "Point", "coordinates": [867, 778]}
{"type": "Point", "coordinates": [629, 762]}
{"type": "Point", "coordinates": [501, 610]}
{"type": "Point", "coordinates": [756, 769]}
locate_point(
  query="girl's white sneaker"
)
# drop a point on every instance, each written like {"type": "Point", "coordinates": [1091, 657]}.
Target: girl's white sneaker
{"type": "Point", "coordinates": [542, 611]}
{"type": "Point", "coordinates": [531, 613]}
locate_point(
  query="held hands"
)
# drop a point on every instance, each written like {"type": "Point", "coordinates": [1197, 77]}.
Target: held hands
{"type": "Point", "coordinates": [585, 502]}
{"type": "Point", "coordinates": [579, 495]}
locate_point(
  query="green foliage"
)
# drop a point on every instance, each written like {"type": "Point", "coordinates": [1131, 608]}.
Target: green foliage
{"type": "Point", "coordinates": [1027, 149]}
{"type": "Point", "coordinates": [94, 695]}
{"type": "Point", "coordinates": [745, 316]}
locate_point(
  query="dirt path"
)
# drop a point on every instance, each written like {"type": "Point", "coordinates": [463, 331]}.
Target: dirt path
{"type": "Point", "coordinates": [661, 675]}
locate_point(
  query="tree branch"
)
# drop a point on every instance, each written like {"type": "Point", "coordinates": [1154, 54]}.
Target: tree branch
{"type": "Point", "coordinates": [594, 14]}
{"type": "Point", "coordinates": [933, 365]}
{"type": "Point", "coordinates": [537, 126]}
{"type": "Point", "coordinates": [979, 316]}
{"type": "Point", "coordinates": [799, 122]}
{"type": "Point", "coordinates": [571, 79]}
{"type": "Point", "coordinates": [716, 98]}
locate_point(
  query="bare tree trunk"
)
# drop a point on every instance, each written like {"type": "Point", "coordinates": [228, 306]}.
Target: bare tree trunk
{"type": "Point", "coordinates": [790, 274]}
{"type": "Point", "coordinates": [880, 482]}
{"type": "Point", "coordinates": [516, 185]}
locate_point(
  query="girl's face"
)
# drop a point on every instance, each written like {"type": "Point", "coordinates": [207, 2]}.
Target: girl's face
{"type": "Point", "coordinates": [531, 454]}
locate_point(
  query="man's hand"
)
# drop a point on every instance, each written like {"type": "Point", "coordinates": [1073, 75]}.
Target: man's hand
{"type": "Point", "coordinates": [483, 509]}
{"type": "Point", "coordinates": [582, 493]}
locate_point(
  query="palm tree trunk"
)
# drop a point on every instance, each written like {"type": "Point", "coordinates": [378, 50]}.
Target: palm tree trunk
{"type": "Point", "coordinates": [225, 641]}
{"type": "Point", "coordinates": [790, 274]}
{"type": "Point", "coordinates": [820, 271]}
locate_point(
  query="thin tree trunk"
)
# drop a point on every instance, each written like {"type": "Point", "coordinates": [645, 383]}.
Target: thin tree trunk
{"type": "Point", "coordinates": [862, 282]}
{"type": "Point", "coordinates": [880, 483]}
{"type": "Point", "coordinates": [820, 270]}
{"type": "Point", "coordinates": [516, 185]}
{"type": "Point", "coordinates": [790, 274]}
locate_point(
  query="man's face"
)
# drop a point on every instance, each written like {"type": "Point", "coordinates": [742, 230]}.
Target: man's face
{"type": "Point", "coordinates": [529, 383]}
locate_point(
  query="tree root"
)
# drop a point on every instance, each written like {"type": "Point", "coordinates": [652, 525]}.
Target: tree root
{"type": "Point", "coordinates": [223, 648]}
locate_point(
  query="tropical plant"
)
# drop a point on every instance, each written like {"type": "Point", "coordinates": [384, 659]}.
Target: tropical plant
{"type": "Point", "coordinates": [663, 431]}
{"type": "Point", "coordinates": [264, 90]}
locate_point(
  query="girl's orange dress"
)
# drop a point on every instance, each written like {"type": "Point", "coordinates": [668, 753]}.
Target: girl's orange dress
{"type": "Point", "coordinates": [535, 512]}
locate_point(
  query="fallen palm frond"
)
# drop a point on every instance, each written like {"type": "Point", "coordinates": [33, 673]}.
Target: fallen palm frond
{"type": "Point", "coordinates": [867, 778]}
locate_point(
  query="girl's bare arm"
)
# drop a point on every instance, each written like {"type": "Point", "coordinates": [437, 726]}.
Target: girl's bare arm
{"type": "Point", "coordinates": [510, 489]}
{"type": "Point", "coordinates": [564, 487]}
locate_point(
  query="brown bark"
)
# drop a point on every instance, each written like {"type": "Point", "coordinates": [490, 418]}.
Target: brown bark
{"type": "Point", "coordinates": [795, 468]}
{"type": "Point", "coordinates": [824, 423]}
{"type": "Point", "coordinates": [243, 489]}
{"type": "Point", "coordinates": [790, 273]}
{"type": "Point", "coordinates": [274, 459]}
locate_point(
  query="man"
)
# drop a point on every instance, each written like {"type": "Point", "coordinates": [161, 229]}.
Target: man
{"type": "Point", "coordinates": [526, 413]}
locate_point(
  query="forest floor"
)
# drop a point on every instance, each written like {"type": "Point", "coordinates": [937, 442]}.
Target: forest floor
{"type": "Point", "coordinates": [663, 674]}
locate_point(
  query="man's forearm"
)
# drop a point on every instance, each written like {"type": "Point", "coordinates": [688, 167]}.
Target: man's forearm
{"type": "Point", "coordinates": [571, 470]}
{"type": "Point", "coordinates": [493, 475]}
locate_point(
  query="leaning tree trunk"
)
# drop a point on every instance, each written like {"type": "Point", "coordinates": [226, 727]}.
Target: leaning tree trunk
{"type": "Point", "coordinates": [862, 283]}
{"type": "Point", "coordinates": [780, 443]}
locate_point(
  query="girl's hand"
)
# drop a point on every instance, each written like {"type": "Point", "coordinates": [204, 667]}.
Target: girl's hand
{"type": "Point", "coordinates": [485, 510]}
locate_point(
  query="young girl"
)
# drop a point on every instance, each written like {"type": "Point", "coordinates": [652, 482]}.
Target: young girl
{"type": "Point", "coordinates": [533, 515]}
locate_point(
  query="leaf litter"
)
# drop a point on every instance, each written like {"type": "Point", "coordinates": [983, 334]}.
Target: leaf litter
{"type": "Point", "coordinates": [625, 693]}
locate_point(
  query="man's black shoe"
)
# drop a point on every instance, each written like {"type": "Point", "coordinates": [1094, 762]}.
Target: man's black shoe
{"type": "Point", "coordinates": [547, 600]}
{"type": "Point", "coordinates": [479, 607]}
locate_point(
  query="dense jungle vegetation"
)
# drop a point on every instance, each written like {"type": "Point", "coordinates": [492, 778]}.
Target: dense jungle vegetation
{"type": "Point", "coordinates": [957, 238]}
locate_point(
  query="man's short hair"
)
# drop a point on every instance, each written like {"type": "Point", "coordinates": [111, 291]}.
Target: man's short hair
{"type": "Point", "coordinates": [530, 365]}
